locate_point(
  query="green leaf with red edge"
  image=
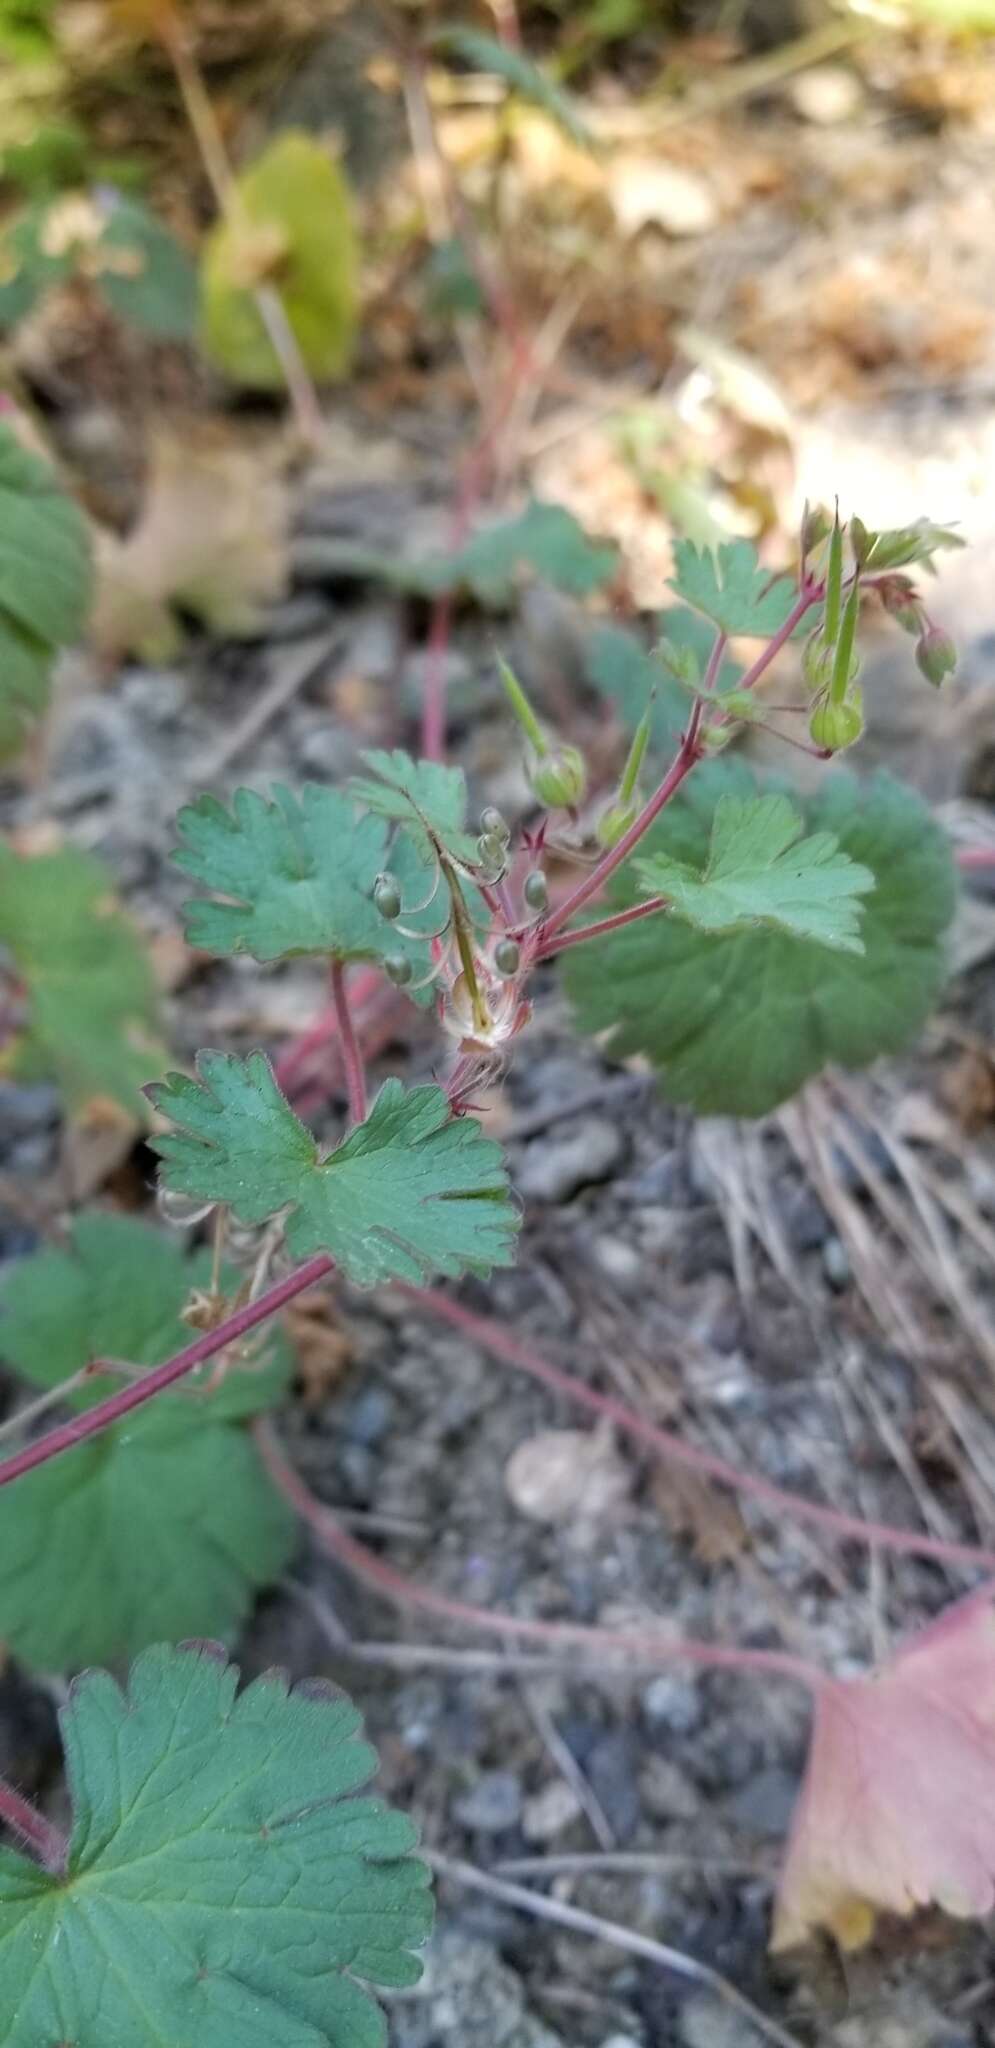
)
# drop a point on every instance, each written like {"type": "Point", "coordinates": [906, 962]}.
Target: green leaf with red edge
{"type": "Point", "coordinates": [224, 1884]}
{"type": "Point", "coordinates": [411, 1191]}
{"type": "Point", "coordinates": [166, 1523]}
{"type": "Point", "coordinates": [736, 1021]}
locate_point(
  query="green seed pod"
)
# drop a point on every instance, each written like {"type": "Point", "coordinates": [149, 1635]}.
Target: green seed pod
{"type": "Point", "coordinates": [494, 826]}
{"type": "Point", "coordinates": [492, 852]}
{"type": "Point", "coordinates": [535, 890]}
{"type": "Point", "coordinates": [507, 958]}
{"type": "Point", "coordinates": [834, 585]}
{"type": "Point", "coordinates": [559, 778]}
{"type": "Point", "coordinates": [936, 655]}
{"type": "Point", "coordinates": [817, 662]}
{"type": "Point", "coordinates": [900, 598]}
{"type": "Point", "coordinates": [398, 969]}
{"type": "Point", "coordinates": [614, 823]}
{"type": "Point", "coordinates": [844, 656]}
{"type": "Point", "coordinates": [836, 726]}
{"type": "Point", "coordinates": [521, 707]}
{"type": "Point", "coordinates": [387, 897]}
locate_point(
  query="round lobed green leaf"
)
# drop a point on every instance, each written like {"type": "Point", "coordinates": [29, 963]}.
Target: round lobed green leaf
{"type": "Point", "coordinates": [224, 1887]}
{"type": "Point", "coordinates": [736, 1021]}
{"type": "Point", "coordinates": [166, 1523]}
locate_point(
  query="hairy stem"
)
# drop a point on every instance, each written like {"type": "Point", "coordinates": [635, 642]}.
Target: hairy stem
{"type": "Point", "coordinates": [105, 1413]}
{"type": "Point", "coordinates": [850, 1528]}
{"type": "Point", "coordinates": [352, 1058]}
{"type": "Point", "coordinates": [562, 940]}
{"type": "Point", "coordinates": [405, 1593]}
{"type": "Point", "coordinates": [811, 595]}
{"type": "Point", "coordinates": [687, 754]}
{"type": "Point", "coordinates": [711, 674]}
{"type": "Point", "coordinates": [366, 985]}
{"type": "Point", "coordinates": [47, 1843]}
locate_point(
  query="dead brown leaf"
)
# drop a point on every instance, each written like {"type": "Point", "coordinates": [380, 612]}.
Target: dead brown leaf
{"type": "Point", "coordinates": [211, 541]}
{"type": "Point", "coordinates": [897, 1810]}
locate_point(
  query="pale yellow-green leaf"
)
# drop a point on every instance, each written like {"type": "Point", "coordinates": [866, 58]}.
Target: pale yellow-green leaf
{"type": "Point", "coordinates": [292, 230]}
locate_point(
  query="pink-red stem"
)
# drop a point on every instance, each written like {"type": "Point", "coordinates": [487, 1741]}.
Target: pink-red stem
{"type": "Point", "coordinates": [851, 1528]}
{"type": "Point", "coordinates": [684, 760]}
{"type": "Point", "coordinates": [47, 1843]}
{"type": "Point", "coordinates": [604, 925]}
{"type": "Point", "coordinates": [325, 1028]}
{"type": "Point", "coordinates": [352, 1058]}
{"type": "Point", "coordinates": [407, 1593]}
{"type": "Point", "coordinates": [105, 1413]}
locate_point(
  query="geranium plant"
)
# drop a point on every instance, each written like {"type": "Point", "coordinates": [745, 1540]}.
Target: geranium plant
{"type": "Point", "coordinates": [218, 1881]}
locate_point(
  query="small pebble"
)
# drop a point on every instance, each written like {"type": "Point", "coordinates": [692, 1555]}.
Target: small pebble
{"type": "Point", "coordinates": [826, 94]}
{"type": "Point", "coordinates": [665, 1181]}
{"type": "Point", "coordinates": [321, 747]}
{"type": "Point", "coordinates": [554, 1169]}
{"type": "Point", "coordinates": [667, 1791]}
{"type": "Point", "coordinates": [612, 1768]}
{"type": "Point", "coordinates": [805, 1220]}
{"type": "Point", "coordinates": [367, 1418]}
{"type": "Point", "coordinates": [492, 1805]}
{"type": "Point", "coordinates": [673, 1702]}
{"type": "Point", "coordinates": [705, 2023]}
{"type": "Point", "coordinates": [766, 1802]}
{"type": "Point", "coordinates": [619, 1260]}
{"type": "Point", "coordinates": [562, 1475]}
{"type": "Point", "coordinates": [24, 1110]}
{"type": "Point", "coordinates": [836, 1262]}
{"type": "Point", "coordinates": [550, 1811]}
{"type": "Point", "coordinates": [155, 696]}
{"type": "Point", "coordinates": [296, 617]}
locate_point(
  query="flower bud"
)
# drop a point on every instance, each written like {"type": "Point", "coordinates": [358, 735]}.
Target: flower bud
{"type": "Point", "coordinates": [507, 958]}
{"type": "Point", "coordinates": [387, 897]}
{"type": "Point", "coordinates": [614, 823]}
{"type": "Point", "coordinates": [559, 778]}
{"type": "Point", "coordinates": [398, 969]}
{"type": "Point", "coordinates": [862, 542]}
{"type": "Point", "coordinates": [535, 890]}
{"type": "Point", "coordinates": [900, 598]}
{"type": "Point", "coordinates": [836, 726]}
{"type": "Point", "coordinates": [936, 655]}
{"type": "Point", "coordinates": [816, 527]}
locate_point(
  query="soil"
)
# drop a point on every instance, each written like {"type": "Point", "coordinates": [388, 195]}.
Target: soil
{"type": "Point", "coordinates": [712, 1276]}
